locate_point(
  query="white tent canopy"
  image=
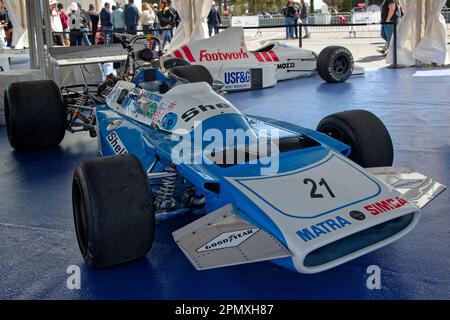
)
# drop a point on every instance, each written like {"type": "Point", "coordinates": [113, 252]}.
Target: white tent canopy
{"type": "Point", "coordinates": [17, 14]}
{"type": "Point", "coordinates": [422, 34]}
{"type": "Point", "coordinates": [193, 25]}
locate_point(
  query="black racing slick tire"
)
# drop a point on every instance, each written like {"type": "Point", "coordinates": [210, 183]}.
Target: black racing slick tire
{"type": "Point", "coordinates": [365, 133]}
{"type": "Point", "coordinates": [193, 73]}
{"type": "Point", "coordinates": [35, 115]}
{"type": "Point", "coordinates": [113, 210]}
{"type": "Point", "coordinates": [335, 64]}
{"type": "Point", "coordinates": [169, 63]}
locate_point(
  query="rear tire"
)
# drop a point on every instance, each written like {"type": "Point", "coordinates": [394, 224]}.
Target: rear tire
{"type": "Point", "coordinates": [35, 115]}
{"type": "Point", "coordinates": [335, 64]}
{"type": "Point", "coordinates": [113, 210]}
{"type": "Point", "coordinates": [365, 133]}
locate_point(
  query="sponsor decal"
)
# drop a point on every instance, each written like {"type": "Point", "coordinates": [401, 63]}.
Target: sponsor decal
{"type": "Point", "coordinates": [152, 96]}
{"type": "Point", "coordinates": [222, 56]}
{"type": "Point", "coordinates": [286, 65]}
{"type": "Point", "coordinates": [323, 228]}
{"type": "Point", "coordinates": [116, 144]}
{"type": "Point", "coordinates": [269, 56]}
{"type": "Point", "coordinates": [409, 183]}
{"type": "Point", "coordinates": [237, 79]}
{"type": "Point", "coordinates": [169, 121]}
{"type": "Point", "coordinates": [192, 112]}
{"type": "Point", "coordinates": [357, 215]}
{"type": "Point", "coordinates": [114, 125]}
{"type": "Point", "coordinates": [228, 239]}
{"type": "Point", "coordinates": [385, 205]}
{"type": "Point", "coordinates": [151, 109]}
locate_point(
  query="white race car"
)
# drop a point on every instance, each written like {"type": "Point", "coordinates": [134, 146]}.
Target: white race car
{"type": "Point", "coordinates": [227, 58]}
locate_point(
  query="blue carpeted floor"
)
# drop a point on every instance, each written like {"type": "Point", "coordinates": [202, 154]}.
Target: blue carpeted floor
{"type": "Point", "coordinates": [37, 238]}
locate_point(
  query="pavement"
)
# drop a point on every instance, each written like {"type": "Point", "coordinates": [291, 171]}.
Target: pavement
{"type": "Point", "coordinates": [363, 42]}
{"type": "Point", "coordinates": [39, 248]}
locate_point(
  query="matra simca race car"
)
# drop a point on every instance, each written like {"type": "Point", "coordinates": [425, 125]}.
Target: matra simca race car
{"type": "Point", "coordinates": [307, 200]}
{"type": "Point", "coordinates": [227, 58]}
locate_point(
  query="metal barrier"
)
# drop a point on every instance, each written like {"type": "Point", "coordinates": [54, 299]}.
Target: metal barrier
{"type": "Point", "coordinates": [336, 23]}
{"type": "Point", "coordinates": [300, 26]}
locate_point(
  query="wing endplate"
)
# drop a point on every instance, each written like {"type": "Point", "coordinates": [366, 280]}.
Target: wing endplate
{"type": "Point", "coordinates": [416, 187]}
{"type": "Point", "coordinates": [222, 238]}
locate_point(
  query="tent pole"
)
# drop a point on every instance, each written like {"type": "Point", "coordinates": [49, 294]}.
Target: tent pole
{"type": "Point", "coordinates": [34, 63]}
{"type": "Point", "coordinates": [48, 23]}
{"type": "Point", "coordinates": [418, 25]}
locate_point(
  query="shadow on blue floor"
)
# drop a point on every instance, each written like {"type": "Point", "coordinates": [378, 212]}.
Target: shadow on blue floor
{"type": "Point", "coordinates": [38, 241]}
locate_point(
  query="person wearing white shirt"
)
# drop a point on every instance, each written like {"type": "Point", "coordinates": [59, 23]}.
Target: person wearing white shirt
{"type": "Point", "coordinates": [147, 18]}
{"type": "Point", "coordinates": [56, 23]}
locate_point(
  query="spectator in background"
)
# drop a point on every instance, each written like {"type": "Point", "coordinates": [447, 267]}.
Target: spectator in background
{"type": "Point", "coordinates": [175, 14]}
{"type": "Point", "coordinates": [76, 36]}
{"type": "Point", "coordinates": [167, 22]}
{"type": "Point", "coordinates": [4, 18]}
{"type": "Point", "coordinates": [131, 17]}
{"type": "Point", "coordinates": [148, 18]}
{"type": "Point", "coordinates": [86, 26]}
{"type": "Point", "coordinates": [297, 16]}
{"type": "Point", "coordinates": [304, 14]}
{"type": "Point", "coordinates": [226, 12]}
{"type": "Point", "coordinates": [213, 20]}
{"type": "Point", "coordinates": [93, 15]}
{"type": "Point", "coordinates": [3, 26]}
{"type": "Point", "coordinates": [57, 27]}
{"type": "Point", "coordinates": [289, 16]}
{"type": "Point", "coordinates": [156, 25]}
{"type": "Point", "coordinates": [105, 22]}
{"type": "Point", "coordinates": [389, 11]}
{"type": "Point", "coordinates": [118, 19]}
{"type": "Point", "coordinates": [65, 24]}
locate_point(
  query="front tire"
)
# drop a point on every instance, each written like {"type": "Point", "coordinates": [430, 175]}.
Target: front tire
{"type": "Point", "coordinates": [35, 115]}
{"type": "Point", "coordinates": [364, 132]}
{"type": "Point", "coordinates": [335, 64]}
{"type": "Point", "coordinates": [113, 210]}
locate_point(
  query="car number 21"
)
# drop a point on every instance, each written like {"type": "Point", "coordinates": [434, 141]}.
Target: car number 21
{"type": "Point", "coordinates": [322, 183]}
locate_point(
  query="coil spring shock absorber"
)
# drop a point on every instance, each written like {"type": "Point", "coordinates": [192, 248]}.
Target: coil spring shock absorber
{"type": "Point", "coordinates": [164, 195]}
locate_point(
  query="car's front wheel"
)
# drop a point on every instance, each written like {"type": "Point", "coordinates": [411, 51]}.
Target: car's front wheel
{"type": "Point", "coordinates": [364, 132]}
{"type": "Point", "coordinates": [335, 64]}
{"type": "Point", "coordinates": [113, 210]}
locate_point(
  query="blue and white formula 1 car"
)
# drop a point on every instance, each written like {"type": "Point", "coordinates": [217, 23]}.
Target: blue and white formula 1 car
{"type": "Point", "coordinates": [308, 200]}
{"type": "Point", "coordinates": [227, 58]}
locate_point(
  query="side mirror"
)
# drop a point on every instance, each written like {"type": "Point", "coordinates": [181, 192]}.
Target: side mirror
{"type": "Point", "coordinates": [217, 85]}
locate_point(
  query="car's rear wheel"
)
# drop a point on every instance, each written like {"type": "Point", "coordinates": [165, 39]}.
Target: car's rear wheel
{"type": "Point", "coordinates": [35, 115]}
{"type": "Point", "coordinates": [365, 133]}
{"type": "Point", "coordinates": [335, 64]}
{"type": "Point", "coordinates": [113, 210]}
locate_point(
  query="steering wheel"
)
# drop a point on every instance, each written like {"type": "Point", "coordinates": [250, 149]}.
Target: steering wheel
{"type": "Point", "coordinates": [146, 54]}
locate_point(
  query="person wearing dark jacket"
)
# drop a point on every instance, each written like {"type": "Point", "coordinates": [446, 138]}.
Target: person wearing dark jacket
{"type": "Point", "coordinates": [289, 18]}
{"type": "Point", "coordinates": [166, 22]}
{"type": "Point", "coordinates": [105, 21]}
{"type": "Point", "coordinates": [304, 14]}
{"type": "Point", "coordinates": [213, 20]}
{"type": "Point", "coordinates": [94, 21]}
{"type": "Point", "coordinates": [131, 17]}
